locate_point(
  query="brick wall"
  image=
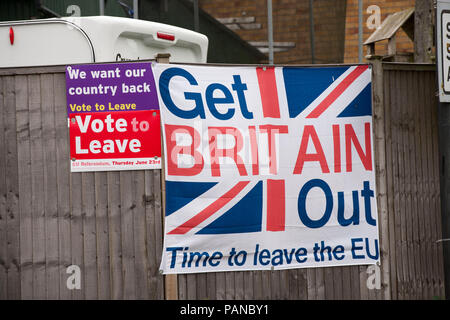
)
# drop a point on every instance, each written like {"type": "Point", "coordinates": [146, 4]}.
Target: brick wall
{"type": "Point", "coordinates": [335, 26]}
{"type": "Point", "coordinates": [291, 26]}
{"type": "Point", "coordinates": [404, 44]}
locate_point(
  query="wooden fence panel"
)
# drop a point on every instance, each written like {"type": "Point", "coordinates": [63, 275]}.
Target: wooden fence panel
{"type": "Point", "coordinates": [107, 224]}
{"type": "Point", "coordinates": [110, 223]}
{"type": "Point", "coordinates": [413, 182]}
{"type": "Point", "coordinates": [406, 156]}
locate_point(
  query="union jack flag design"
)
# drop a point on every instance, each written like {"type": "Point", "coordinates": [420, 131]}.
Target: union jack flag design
{"type": "Point", "coordinates": [249, 205]}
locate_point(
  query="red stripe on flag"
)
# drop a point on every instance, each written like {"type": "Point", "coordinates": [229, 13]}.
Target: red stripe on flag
{"type": "Point", "coordinates": [210, 210]}
{"type": "Point", "coordinates": [268, 91]}
{"type": "Point", "coordinates": [275, 205]}
{"type": "Point", "coordinates": [340, 88]}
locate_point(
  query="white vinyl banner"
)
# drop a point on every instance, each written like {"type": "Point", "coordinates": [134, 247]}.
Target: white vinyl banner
{"type": "Point", "coordinates": [267, 168]}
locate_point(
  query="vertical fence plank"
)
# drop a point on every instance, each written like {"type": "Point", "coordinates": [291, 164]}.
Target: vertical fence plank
{"type": "Point", "coordinates": [12, 258]}
{"type": "Point", "coordinates": [395, 190]}
{"type": "Point", "coordinates": [379, 129]}
{"type": "Point", "coordinates": [63, 183]}
{"type": "Point", "coordinates": [427, 185]}
{"type": "Point", "coordinates": [139, 231]}
{"type": "Point", "coordinates": [12, 198]}
{"type": "Point", "coordinates": [265, 282]}
{"type": "Point", "coordinates": [302, 284]}
{"type": "Point", "coordinates": [415, 163]}
{"type": "Point", "coordinates": [355, 287]}
{"type": "Point", "coordinates": [159, 227]}
{"type": "Point", "coordinates": [328, 283]}
{"type": "Point", "coordinates": [50, 187]}
{"type": "Point", "coordinates": [285, 284]}
{"type": "Point", "coordinates": [311, 284]}
{"type": "Point", "coordinates": [320, 283]}
{"type": "Point", "coordinates": [153, 217]}
{"type": "Point", "coordinates": [76, 232]}
{"type": "Point", "coordinates": [420, 143]}
{"type": "Point", "coordinates": [115, 238]}
{"type": "Point", "coordinates": [275, 283]}
{"type": "Point", "coordinates": [396, 183]}
{"type": "Point", "coordinates": [405, 80]}
{"type": "Point", "coordinates": [181, 287]}
{"type": "Point", "coordinates": [89, 235]}
{"type": "Point", "coordinates": [102, 232]}
{"type": "Point", "coordinates": [254, 291]}
{"type": "Point", "coordinates": [191, 287]}
{"type": "Point", "coordinates": [24, 171]}
{"type": "Point", "coordinates": [390, 184]}
{"type": "Point", "coordinates": [346, 284]}
{"type": "Point", "coordinates": [363, 290]}
{"type": "Point", "coordinates": [293, 284]}
{"type": "Point", "coordinates": [37, 177]}
{"type": "Point", "coordinates": [434, 192]}
{"type": "Point", "coordinates": [211, 286]}
{"type": "Point", "coordinates": [220, 286]}
{"type": "Point", "coordinates": [432, 196]}
{"type": "Point", "coordinates": [201, 286]}
{"type": "Point", "coordinates": [337, 283]}
{"type": "Point", "coordinates": [404, 168]}
{"type": "Point", "coordinates": [418, 188]}
{"type": "Point", "coordinates": [437, 228]}
{"type": "Point", "coordinates": [438, 214]}
{"type": "Point", "coordinates": [426, 121]}
{"type": "Point", "coordinates": [128, 262]}
{"type": "Point", "coordinates": [150, 240]}
{"type": "Point", "coordinates": [424, 207]}
{"type": "Point", "coordinates": [3, 192]}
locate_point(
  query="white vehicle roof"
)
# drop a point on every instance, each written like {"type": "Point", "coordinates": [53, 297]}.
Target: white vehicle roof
{"type": "Point", "coordinates": [73, 40]}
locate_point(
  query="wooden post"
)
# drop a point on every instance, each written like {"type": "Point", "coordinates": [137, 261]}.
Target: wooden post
{"type": "Point", "coordinates": [392, 46]}
{"type": "Point", "coordinates": [423, 31]}
{"type": "Point", "coordinates": [370, 50]}
{"type": "Point", "coordinates": [381, 177]}
{"type": "Point", "coordinates": [170, 280]}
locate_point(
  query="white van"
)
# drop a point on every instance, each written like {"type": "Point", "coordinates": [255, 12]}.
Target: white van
{"type": "Point", "coordinates": [74, 40]}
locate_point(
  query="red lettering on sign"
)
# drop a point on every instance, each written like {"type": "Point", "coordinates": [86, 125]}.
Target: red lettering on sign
{"type": "Point", "coordinates": [104, 135]}
{"type": "Point", "coordinates": [337, 148]}
{"type": "Point", "coordinates": [319, 155]}
{"type": "Point", "coordinates": [352, 139]}
{"type": "Point", "coordinates": [271, 132]}
{"type": "Point", "coordinates": [276, 203]}
{"type": "Point", "coordinates": [173, 150]}
{"type": "Point", "coordinates": [231, 153]}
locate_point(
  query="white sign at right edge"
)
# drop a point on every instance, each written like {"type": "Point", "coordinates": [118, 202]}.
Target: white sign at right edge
{"type": "Point", "coordinates": [443, 49]}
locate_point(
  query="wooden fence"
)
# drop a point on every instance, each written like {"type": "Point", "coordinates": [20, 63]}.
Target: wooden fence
{"type": "Point", "coordinates": [110, 223]}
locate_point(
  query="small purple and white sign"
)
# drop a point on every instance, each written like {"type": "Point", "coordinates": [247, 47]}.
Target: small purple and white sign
{"type": "Point", "coordinates": [113, 116]}
{"type": "Point", "coordinates": [110, 87]}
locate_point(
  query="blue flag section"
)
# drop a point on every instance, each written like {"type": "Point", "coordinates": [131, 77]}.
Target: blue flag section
{"type": "Point", "coordinates": [267, 167]}
{"type": "Point", "coordinates": [304, 85]}
{"type": "Point", "coordinates": [178, 193]}
{"type": "Point", "coordinates": [245, 216]}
